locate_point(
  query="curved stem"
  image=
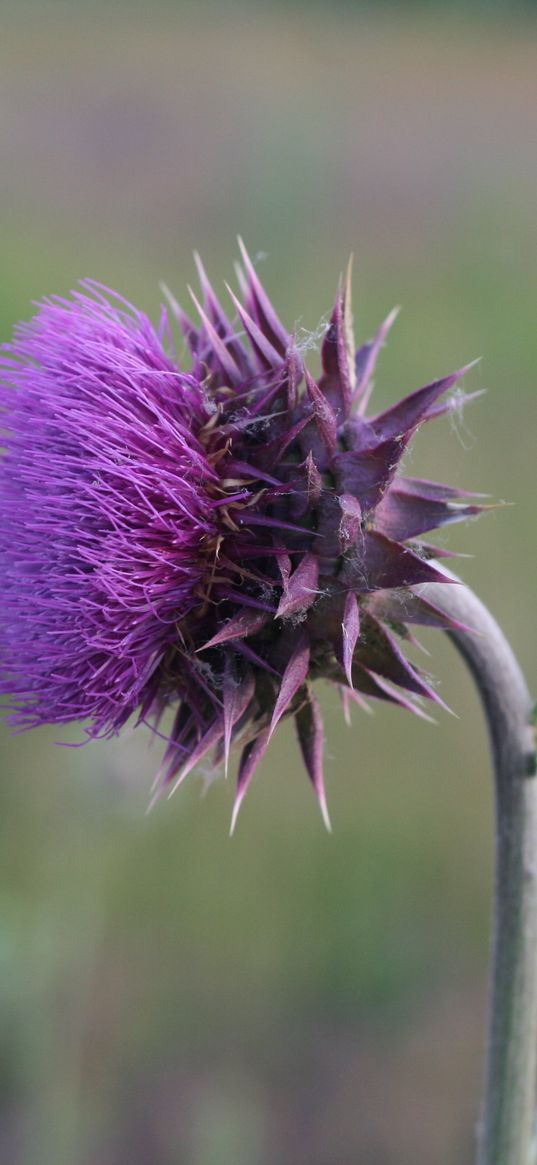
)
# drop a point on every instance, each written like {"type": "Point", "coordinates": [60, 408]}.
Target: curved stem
{"type": "Point", "coordinates": [507, 1118]}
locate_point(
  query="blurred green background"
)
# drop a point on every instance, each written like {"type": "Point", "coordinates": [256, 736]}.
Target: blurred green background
{"type": "Point", "coordinates": [170, 997]}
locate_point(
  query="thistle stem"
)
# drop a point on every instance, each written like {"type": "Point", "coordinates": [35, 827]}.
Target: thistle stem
{"type": "Point", "coordinates": [505, 1132]}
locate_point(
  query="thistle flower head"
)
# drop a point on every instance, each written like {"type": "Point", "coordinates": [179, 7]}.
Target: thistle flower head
{"type": "Point", "coordinates": [213, 539]}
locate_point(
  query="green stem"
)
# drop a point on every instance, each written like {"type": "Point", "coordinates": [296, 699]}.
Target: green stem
{"type": "Point", "coordinates": [505, 1134]}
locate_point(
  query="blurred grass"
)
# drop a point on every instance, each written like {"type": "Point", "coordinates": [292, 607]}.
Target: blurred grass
{"type": "Point", "coordinates": [168, 995]}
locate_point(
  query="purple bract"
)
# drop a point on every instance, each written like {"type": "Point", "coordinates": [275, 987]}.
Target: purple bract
{"type": "Point", "coordinates": [213, 539]}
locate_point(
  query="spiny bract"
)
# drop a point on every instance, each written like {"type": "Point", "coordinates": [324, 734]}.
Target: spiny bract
{"type": "Point", "coordinates": [213, 539]}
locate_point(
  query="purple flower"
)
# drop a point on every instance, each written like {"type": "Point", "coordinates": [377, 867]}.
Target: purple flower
{"type": "Point", "coordinates": [213, 539]}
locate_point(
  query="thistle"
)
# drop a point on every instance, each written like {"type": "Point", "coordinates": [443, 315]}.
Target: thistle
{"type": "Point", "coordinates": [214, 539]}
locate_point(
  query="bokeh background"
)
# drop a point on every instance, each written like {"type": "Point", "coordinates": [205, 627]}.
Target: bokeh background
{"type": "Point", "coordinates": [170, 997]}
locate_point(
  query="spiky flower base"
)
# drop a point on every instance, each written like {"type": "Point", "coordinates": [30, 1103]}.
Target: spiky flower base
{"type": "Point", "coordinates": [216, 538]}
